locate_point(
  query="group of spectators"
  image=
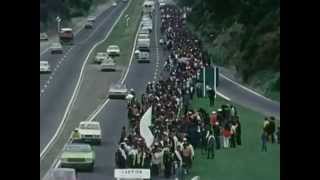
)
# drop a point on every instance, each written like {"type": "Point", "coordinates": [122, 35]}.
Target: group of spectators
{"type": "Point", "coordinates": [177, 129]}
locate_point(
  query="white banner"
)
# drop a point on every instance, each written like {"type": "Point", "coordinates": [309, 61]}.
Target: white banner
{"type": "Point", "coordinates": [132, 173]}
{"type": "Point", "coordinates": [145, 123]}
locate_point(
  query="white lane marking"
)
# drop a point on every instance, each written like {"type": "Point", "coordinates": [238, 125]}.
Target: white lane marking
{"type": "Point", "coordinates": [132, 53]}
{"type": "Point", "coordinates": [245, 88]}
{"type": "Point", "coordinates": [96, 29]}
{"type": "Point", "coordinates": [75, 92]}
{"type": "Point", "coordinates": [223, 96]}
{"type": "Point", "coordinates": [95, 113]}
{"type": "Point", "coordinates": [157, 48]}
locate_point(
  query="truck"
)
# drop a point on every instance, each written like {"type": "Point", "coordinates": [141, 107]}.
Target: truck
{"type": "Point", "coordinates": [66, 36]}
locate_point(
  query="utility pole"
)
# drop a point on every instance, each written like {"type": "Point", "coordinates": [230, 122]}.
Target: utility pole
{"type": "Point", "coordinates": [58, 19]}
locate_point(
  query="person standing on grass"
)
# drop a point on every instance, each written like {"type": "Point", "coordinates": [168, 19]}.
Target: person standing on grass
{"type": "Point", "coordinates": [211, 145]}
{"type": "Point", "coordinates": [278, 135]}
{"type": "Point", "coordinates": [264, 140]}
{"type": "Point", "coordinates": [272, 129]}
{"type": "Point", "coordinates": [238, 130]}
{"type": "Point", "coordinates": [226, 136]}
{"type": "Point", "coordinates": [233, 135]}
{"type": "Point", "coordinates": [266, 123]}
{"type": "Point", "coordinates": [211, 94]}
{"type": "Point", "coordinates": [217, 134]}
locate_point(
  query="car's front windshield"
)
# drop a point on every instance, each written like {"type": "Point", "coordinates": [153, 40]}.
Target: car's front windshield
{"type": "Point", "coordinates": [78, 148]}
{"type": "Point", "coordinates": [90, 126]}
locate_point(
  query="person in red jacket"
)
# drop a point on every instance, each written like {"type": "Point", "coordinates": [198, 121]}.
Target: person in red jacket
{"type": "Point", "coordinates": [213, 119]}
{"type": "Point", "coordinates": [226, 136]}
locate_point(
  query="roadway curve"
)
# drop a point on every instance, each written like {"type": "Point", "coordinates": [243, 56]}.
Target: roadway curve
{"type": "Point", "coordinates": [58, 86]}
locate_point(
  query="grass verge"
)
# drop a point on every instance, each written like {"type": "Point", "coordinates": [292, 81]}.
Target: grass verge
{"type": "Point", "coordinates": [123, 35]}
{"type": "Point", "coordinates": [244, 162]}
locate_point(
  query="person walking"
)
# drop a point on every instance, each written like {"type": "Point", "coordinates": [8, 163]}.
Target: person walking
{"type": "Point", "coordinates": [272, 129]}
{"type": "Point", "coordinates": [233, 135]}
{"type": "Point", "coordinates": [217, 134]}
{"type": "Point", "coordinates": [264, 139]}
{"type": "Point", "coordinates": [167, 162]}
{"type": "Point", "coordinates": [211, 94]}
{"type": "Point", "coordinates": [226, 136]}
{"type": "Point", "coordinates": [211, 145]}
{"type": "Point", "coordinates": [278, 135]}
{"type": "Point", "coordinates": [238, 130]}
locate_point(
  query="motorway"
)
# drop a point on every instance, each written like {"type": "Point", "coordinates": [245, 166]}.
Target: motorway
{"type": "Point", "coordinates": [114, 115]}
{"type": "Point", "coordinates": [56, 88]}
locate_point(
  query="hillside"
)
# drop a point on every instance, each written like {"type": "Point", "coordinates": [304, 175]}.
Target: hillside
{"type": "Point", "coordinates": [243, 35]}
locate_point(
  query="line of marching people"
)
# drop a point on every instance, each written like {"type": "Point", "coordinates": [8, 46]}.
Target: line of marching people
{"type": "Point", "coordinates": [177, 133]}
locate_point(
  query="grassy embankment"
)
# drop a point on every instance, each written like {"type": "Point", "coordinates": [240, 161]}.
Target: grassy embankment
{"type": "Point", "coordinates": [243, 162]}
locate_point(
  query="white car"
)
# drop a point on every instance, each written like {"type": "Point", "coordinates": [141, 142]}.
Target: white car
{"type": "Point", "coordinates": [61, 174]}
{"type": "Point", "coordinates": [44, 37]}
{"type": "Point", "coordinates": [108, 65]}
{"type": "Point", "coordinates": [101, 56]}
{"type": "Point", "coordinates": [44, 67]}
{"type": "Point", "coordinates": [114, 4]}
{"type": "Point", "coordinates": [90, 132]}
{"type": "Point", "coordinates": [56, 48]}
{"type": "Point", "coordinates": [118, 91]}
{"type": "Point", "coordinates": [113, 50]}
{"type": "Point", "coordinates": [91, 19]}
{"type": "Point", "coordinates": [142, 56]}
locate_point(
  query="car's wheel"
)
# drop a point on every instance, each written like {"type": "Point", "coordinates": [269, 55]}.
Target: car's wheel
{"type": "Point", "coordinates": [91, 168]}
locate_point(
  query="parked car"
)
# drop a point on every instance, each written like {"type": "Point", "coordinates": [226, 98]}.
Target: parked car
{"type": "Point", "coordinates": [100, 57]}
{"type": "Point", "coordinates": [114, 4]}
{"type": "Point", "coordinates": [90, 132]}
{"type": "Point", "coordinates": [113, 50]}
{"type": "Point", "coordinates": [108, 64]}
{"type": "Point", "coordinates": [56, 48]}
{"type": "Point", "coordinates": [44, 37]}
{"type": "Point", "coordinates": [44, 67]}
{"type": "Point", "coordinates": [61, 174]}
{"type": "Point", "coordinates": [118, 91]}
{"type": "Point", "coordinates": [78, 156]}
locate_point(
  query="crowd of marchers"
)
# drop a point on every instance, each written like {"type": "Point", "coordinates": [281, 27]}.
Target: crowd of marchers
{"type": "Point", "coordinates": [176, 133]}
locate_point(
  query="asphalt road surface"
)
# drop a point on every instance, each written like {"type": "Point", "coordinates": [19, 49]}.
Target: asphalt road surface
{"type": "Point", "coordinates": [58, 86]}
{"type": "Point", "coordinates": [114, 115]}
{"type": "Point", "coordinates": [244, 97]}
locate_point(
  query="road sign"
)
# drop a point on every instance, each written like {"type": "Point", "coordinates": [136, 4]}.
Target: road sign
{"type": "Point", "coordinates": [132, 173]}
